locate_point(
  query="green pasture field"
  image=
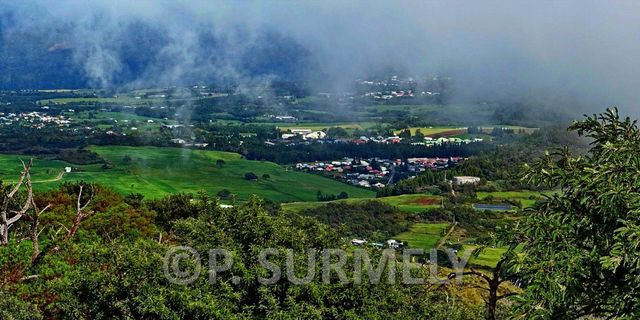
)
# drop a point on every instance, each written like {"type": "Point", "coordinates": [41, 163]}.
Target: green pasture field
{"type": "Point", "coordinates": [412, 203]}
{"type": "Point", "coordinates": [526, 197]}
{"type": "Point", "coordinates": [156, 172]}
{"type": "Point", "coordinates": [424, 235]}
{"type": "Point", "coordinates": [427, 235]}
{"type": "Point", "coordinates": [43, 171]}
{"type": "Point", "coordinates": [488, 258]}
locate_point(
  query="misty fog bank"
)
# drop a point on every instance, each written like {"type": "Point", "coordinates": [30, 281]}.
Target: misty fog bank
{"type": "Point", "coordinates": [576, 55]}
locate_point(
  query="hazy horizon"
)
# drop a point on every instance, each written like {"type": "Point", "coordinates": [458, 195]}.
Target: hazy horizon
{"type": "Point", "coordinates": [577, 54]}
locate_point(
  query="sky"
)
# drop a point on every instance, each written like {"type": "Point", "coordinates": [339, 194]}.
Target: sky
{"type": "Point", "coordinates": [583, 53]}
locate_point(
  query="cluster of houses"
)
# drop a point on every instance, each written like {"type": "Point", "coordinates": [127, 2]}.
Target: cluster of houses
{"type": "Point", "coordinates": [33, 119]}
{"type": "Point", "coordinates": [395, 87]}
{"type": "Point", "coordinates": [398, 94]}
{"type": "Point", "coordinates": [424, 164]}
{"type": "Point", "coordinates": [376, 172]}
{"type": "Point", "coordinates": [369, 173]}
{"type": "Point", "coordinates": [290, 135]}
{"type": "Point", "coordinates": [378, 139]}
{"type": "Point", "coordinates": [429, 141]}
{"type": "Point", "coordinates": [304, 134]}
{"type": "Point", "coordinates": [184, 143]}
{"type": "Point", "coordinates": [389, 95]}
{"type": "Point", "coordinates": [391, 243]}
{"type": "Point", "coordinates": [282, 118]}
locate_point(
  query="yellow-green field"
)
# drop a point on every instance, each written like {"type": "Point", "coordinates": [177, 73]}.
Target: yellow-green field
{"type": "Point", "coordinates": [429, 131]}
{"type": "Point", "coordinates": [488, 258]}
{"type": "Point", "coordinates": [449, 131]}
{"type": "Point", "coordinates": [424, 235]}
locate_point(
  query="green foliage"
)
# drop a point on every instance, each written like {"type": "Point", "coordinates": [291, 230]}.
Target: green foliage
{"type": "Point", "coordinates": [250, 176]}
{"type": "Point", "coordinates": [337, 132]}
{"type": "Point", "coordinates": [134, 199]}
{"type": "Point", "coordinates": [580, 245]}
{"type": "Point", "coordinates": [124, 279]}
{"type": "Point", "coordinates": [331, 197]}
{"type": "Point", "coordinates": [362, 219]}
{"type": "Point", "coordinates": [224, 194]}
{"type": "Point", "coordinates": [172, 208]}
{"type": "Point", "coordinates": [431, 181]}
{"type": "Point", "coordinates": [14, 308]}
{"type": "Point", "coordinates": [405, 134]}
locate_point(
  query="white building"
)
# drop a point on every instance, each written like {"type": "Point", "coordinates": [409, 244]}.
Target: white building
{"type": "Point", "coordinates": [393, 244]}
{"type": "Point", "coordinates": [461, 180]}
{"type": "Point", "coordinates": [315, 135]}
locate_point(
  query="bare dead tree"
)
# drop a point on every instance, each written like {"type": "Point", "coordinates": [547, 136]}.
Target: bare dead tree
{"type": "Point", "coordinates": [34, 220]}
{"type": "Point", "coordinates": [6, 220]}
{"type": "Point", "coordinates": [30, 212]}
{"type": "Point", "coordinates": [494, 280]}
{"type": "Point", "coordinates": [80, 215]}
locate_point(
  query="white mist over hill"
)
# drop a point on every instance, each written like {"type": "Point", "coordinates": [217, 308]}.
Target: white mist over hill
{"type": "Point", "coordinates": [581, 54]}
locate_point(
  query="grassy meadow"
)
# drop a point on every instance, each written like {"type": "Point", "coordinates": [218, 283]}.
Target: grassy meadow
{"type": "Point", "coordinates": [424, 235]}
{"type": "Point", "coordinates": [526, 197]}
{"type": "Point", "coordinates": [412, 203]}
{"type": "Point", "coordinates": [427, 236]}
{"type": "Point", "coordinates": [155, 172]}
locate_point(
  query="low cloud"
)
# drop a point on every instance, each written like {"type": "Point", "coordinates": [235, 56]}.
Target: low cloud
{"type": "Point", "coordinates": [581, 55]}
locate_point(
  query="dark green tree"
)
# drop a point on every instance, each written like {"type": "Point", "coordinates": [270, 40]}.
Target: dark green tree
{"type": "Point", "coordinates": [224, 194]}
{"type": "Point", "coordinates": [419, 136]}
{"type": "Point", "coordinates": [250, 176]}
{"type": "Point", "coordinates": [405, 134]}
{"type": "Point", "coordinates": [580, 246]}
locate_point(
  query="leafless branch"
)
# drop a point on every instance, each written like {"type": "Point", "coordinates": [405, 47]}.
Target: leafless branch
{"type": "Point", "coordinates": [5, 221]}
{"type": "Point", "coordinates": [80, 215]}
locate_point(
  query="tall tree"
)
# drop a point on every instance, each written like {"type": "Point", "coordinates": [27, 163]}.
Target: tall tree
{"type": "Point", "coordinates": [580, 255]}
